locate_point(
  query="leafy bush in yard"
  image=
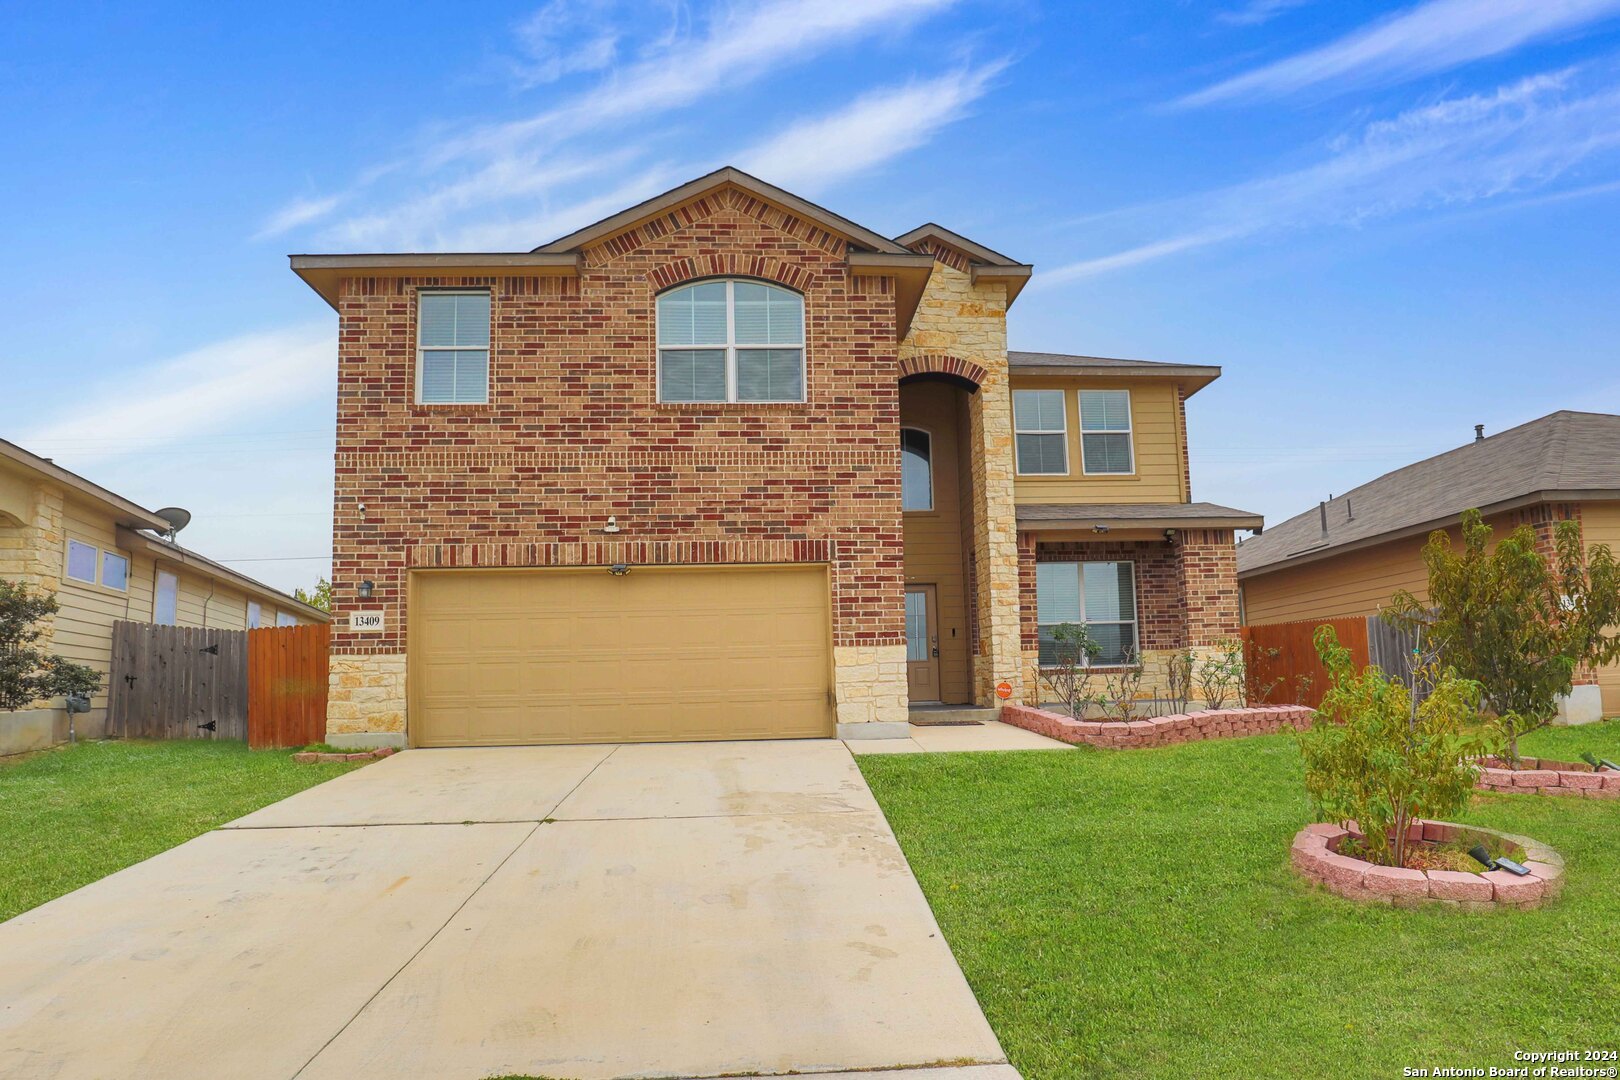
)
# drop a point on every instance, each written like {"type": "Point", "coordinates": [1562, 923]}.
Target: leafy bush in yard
{"type": "Point", "coordinates": [29, 674]}
{"type": "Point", "coordinates": [1515, 622]}
{"type": "Point", "coordinates": [1221, 675]}
{"type": "Point", "coordinates": [1374, 757]}
{"type": "Point", "coordinates": [1069, 678]}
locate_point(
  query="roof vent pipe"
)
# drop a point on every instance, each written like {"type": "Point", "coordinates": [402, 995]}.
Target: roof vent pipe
{"type": "Point", "coordinates": [1349, 511]}
{"type": "Point", "coordinates": [1479, 432]}
{"type": "Point", "coordinates": [1322, 508]}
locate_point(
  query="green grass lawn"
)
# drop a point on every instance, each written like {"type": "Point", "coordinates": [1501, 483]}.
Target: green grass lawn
{"type": "Point", "coordinates": [73, 815]}
{"type": "Point", "coordinates": [1133, 913]}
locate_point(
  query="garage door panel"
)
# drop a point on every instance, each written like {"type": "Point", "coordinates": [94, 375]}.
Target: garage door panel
{"type": "Point", "coordinates": [541, 656]}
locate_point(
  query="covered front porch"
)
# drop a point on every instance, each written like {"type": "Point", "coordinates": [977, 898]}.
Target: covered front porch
{"type": "Point", "coordinates": [1146, 581]}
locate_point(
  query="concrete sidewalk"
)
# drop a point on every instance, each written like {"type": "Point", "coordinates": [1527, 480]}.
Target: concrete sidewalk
{"type": "Point", "coordinates": [680, 910]}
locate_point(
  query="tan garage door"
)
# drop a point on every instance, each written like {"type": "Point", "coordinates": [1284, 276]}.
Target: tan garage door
{"type": "Point", "coordinates": [560, 656]}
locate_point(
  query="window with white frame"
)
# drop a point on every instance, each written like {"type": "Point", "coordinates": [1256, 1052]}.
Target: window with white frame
{"type": "Point", "coordinates": [452, 347]}
{"type": "Point", "coordinates": [916, 469]}
{"type": "Point", "coordinates": [81, 561]}
{"type": "Point", "coordinates": [1105, 432]}
{"type": "Point", "coordinates": [114, 571]}
{"type": "Point", "coordinates": [255, 614]}
{"type": "Point", "coordinates": [725, 341]}
{"type": "Point", "coordinates": [166, 599]}
{"type": "Point", "coordinates": [1041, 432]}
{"type": "Point", "coordinates": [1101, 596]}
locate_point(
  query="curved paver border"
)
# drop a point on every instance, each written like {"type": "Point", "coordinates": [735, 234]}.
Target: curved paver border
{"type": "Point", "coordinates": [1542, 776]}
{"type": "Point", "coordinates": [1315, 856]}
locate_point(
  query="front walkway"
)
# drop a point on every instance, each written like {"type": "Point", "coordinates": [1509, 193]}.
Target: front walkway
{"type": "Point", "coordinates": [929, 739]}
{"type": "Point", "coordinates": [683, 910]}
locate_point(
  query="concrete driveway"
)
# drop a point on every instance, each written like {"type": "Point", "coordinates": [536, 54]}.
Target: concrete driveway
{"type": "Point", "coordinates": [674, 910]}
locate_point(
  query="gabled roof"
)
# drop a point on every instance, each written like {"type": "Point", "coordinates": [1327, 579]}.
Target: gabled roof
{"type": "Point", "coordinates": [1566, 455]}
{"type": "Point", "coordinates": [1195, 376]}
{"type": "Point", "coordinates": [984, 264]}
{"type": "Point", "coordinates": [857, 235]}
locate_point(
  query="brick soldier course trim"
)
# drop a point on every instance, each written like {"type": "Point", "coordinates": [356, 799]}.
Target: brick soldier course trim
{"type": "Point", "coordinates": [937, 364]}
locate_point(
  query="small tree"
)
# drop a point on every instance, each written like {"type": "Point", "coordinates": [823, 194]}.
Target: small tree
{"type": "Point", "coordinates": [1069, 676]}
{"type": "Point", "coordinates": [1120, 687]}
{"type": "Point", "coordinates": [321, 597]}
{"type": "Point", "coordinates": [1514, 621]}
{"type": "Point", "coordinates": [1178, 678]}
{"type": "Point", "coordinates": [27, 673]}
{"type": "Point", "coordinates": [1370, 756]}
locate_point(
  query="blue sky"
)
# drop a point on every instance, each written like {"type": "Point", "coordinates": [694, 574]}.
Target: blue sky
{"type": "Point", "coordinates": [1387, 222]}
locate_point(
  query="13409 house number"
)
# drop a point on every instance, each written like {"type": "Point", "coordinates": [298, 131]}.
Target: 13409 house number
{"type": "Point", "coordinates": [368, 621]}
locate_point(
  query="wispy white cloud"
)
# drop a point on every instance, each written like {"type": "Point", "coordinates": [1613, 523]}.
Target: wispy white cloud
{"type": "Point", "coordinates": [493, 164]}
{"type": "Point", "coordinates": [873, 129]}
{"type": "Point", "coordinates": [1519, 140]}
{"type": "Point", "coordinates": [214, 388]}
{"type": "Point", "coordinates": [1256, 12]}
{"type": "Point", "coordinates": [1432, 36]}
{"type": "Point", "coordinates": [566, 37]}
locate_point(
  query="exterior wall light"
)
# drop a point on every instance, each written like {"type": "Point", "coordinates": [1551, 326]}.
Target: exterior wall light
{"type": "Point", "coordinates": [612, 525]}
{"type": "Point", "coordinates": [1099, 529]}
{"type": "Point", "coordinates": [1169, 536]}
{"type": "Point", "coordinates": [366, 588]}
{"type": "Point", "coordinates": [619, 569]}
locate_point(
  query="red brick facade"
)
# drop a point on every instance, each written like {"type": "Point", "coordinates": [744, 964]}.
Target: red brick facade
{"type": "Point", "coordinates": [573, 433]}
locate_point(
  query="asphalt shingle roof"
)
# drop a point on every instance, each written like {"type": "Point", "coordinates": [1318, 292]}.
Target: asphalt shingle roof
{"type": "Point", "coordinates": [1562, 452]}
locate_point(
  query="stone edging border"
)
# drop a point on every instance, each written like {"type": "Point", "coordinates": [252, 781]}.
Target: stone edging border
{"type": "Point", "coordinates": [1315, 856]}
{"type": "Point", "coordinates": [1545, 777]}
{"type": "Point", "coordinates": [306, 757]}
{"type": "Point", "coordinates": [1162, 731]}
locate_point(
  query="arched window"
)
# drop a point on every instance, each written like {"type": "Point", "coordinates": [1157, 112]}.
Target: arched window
{"type": "Point", "coordinates": [730, 341]}
{"type": "Point", "coordinates": [916, 469]}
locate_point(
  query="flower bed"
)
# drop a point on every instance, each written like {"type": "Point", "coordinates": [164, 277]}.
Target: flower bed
{"type": "Point", "coordinates": [1540, 776]}
{"type": "Point", "coordinates": [1161, 731]}
{"type": "Point", "coordinates": [1315, 856]}
{"type": "Point", "coordinates": [306, 757]}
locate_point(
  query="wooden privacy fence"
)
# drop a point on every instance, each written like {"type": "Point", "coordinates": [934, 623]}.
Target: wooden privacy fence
{"type": "Point", "coordinates": [177, 682]}
{"type": "Point", "coordinates": [287, 668]}
{"type": "Point", "coordinates": [186, 682]}
{"type": "Point", "coordinates": [1282, 667]}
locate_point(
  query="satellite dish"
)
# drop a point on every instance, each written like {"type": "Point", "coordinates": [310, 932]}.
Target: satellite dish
{"type": "Point", "coordinates": [176, 517]}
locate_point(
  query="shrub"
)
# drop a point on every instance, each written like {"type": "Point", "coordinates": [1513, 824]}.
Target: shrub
{"type": "Point", "coordinates": [1069, 678]}
{"type": "Point", "coordinates": [1221, 675]}
{"type": "Point", "coordinates": [1514, 621]}
{"type": "Point", "coordinates": [1374, 757]}
{"type": "Point", "coordinates": [29, 674]}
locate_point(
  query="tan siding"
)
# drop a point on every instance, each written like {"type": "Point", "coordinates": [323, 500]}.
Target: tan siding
{"type": "Point", "coordinates": [84, 623]}
{"type": "Point", "coordinates": [1156, 440]}
{"type": "Point", "coordinates": [933, 539]}
{"type": "Point", "coordinates": [1600, 524]}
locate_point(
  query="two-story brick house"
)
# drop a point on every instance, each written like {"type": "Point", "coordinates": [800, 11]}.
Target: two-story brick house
{"type": "Point", "coordinates": [728, 465]}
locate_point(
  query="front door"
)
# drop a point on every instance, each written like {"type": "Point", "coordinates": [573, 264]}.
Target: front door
{"type": "Point", "coordinates": [922, 643]}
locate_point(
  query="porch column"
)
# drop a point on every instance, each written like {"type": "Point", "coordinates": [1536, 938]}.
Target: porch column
{"type": "Point", "coordinates": [995, 541]}
{"type": "Point", "coordinates": [1206, 567]}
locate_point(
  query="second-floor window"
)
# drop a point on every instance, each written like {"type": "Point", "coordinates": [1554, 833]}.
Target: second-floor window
{"type": "Point", "coordinates": [452, 348]}
{"type": "Point", "coordinates": [725, 341]}
{"type": "Point", "coordinates": [1105, 432]}
{"type": "Point", "coordinates": [1041, 434]}
{"type": "Point", "coordinates": [916, 469]}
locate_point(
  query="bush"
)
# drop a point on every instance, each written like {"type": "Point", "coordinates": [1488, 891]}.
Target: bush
{"type": "Point", "coordinates": [28, 674]}
{"type": "Point", "coordinates": [1374, 757]}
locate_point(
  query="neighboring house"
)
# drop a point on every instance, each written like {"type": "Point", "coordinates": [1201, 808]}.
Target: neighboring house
{"type": "Point", "coordinates": [1349, 555]}
{"type": "Point", "coordinates": [728, 465]}
{"type": "Point", "coordinates": [100, 555]}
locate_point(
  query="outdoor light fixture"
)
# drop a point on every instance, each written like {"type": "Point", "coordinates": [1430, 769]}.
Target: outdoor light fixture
{"type": "Point", "coordinates": [365, 590]}
{"type": "Point", "coordinates": [619, 569]}
{"type": "Point", "coordinates": [1482, 856]}
{"type": "Point", "coordinates": [1512, 867]}
{"type": "Point", "coordinates": [1170, 535]}
{"type": "Point", "coordinates": [1599, 763]}
{"type": "Point", "coordinates": [1099, 529]}
{"type": "Point", "coordinates": [612, 525]}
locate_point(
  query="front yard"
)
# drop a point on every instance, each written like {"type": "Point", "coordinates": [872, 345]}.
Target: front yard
{"type": "Point", "coordinates": [76, 814]}
{"type": "Point", "coordinates": [1134, 913]}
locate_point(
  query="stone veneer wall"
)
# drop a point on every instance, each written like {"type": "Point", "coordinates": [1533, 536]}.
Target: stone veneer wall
{"type": "Point", "coordinates": [959, 319]}
{"type": "Point", "coordinates": [366, 700]}
{"type": "Point", "coordinates": [31, 554]}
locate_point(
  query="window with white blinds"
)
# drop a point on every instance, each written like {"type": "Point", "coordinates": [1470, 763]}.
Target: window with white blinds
{"type": "Point", "coordinates": [1041, 432]}
{"type": "Point", "coordinates": [1101, 596]}
{"type": "Point", "coordinates": [452, 347]}
{"type": "Point", "coordinates": [1105, 432]}
{"type": "Point", "coordinates": [724, 341]}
